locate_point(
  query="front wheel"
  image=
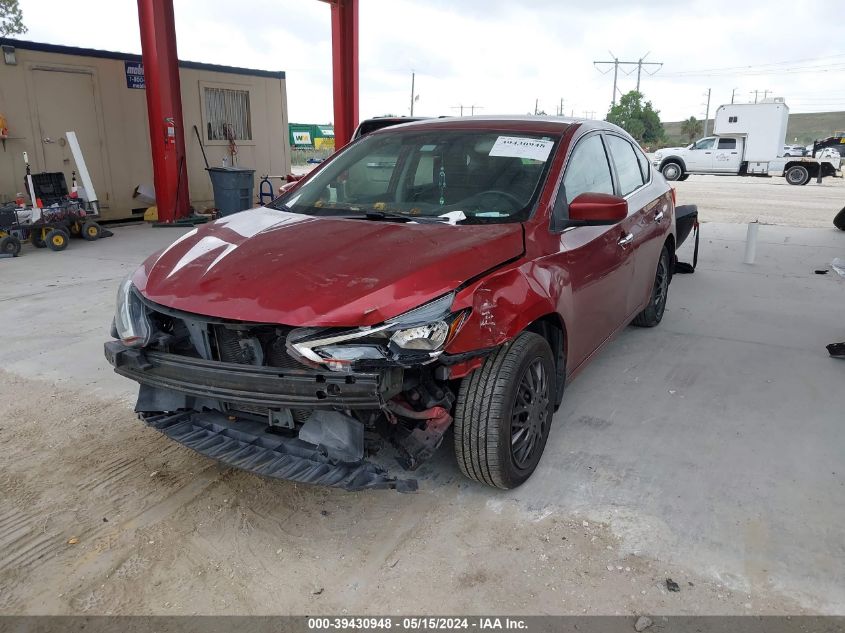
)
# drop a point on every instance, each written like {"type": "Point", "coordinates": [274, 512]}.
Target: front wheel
{"type": "Point", "coordinates": [504, 411]}
{"type": "Point", "coordinates": [672, 171]}
{"type": "Point", "coordinates": [797, 175]}
{"type": "Point", "coordinates": [653, 312]}
{"type": "Point", "coordinates": [10, 245]}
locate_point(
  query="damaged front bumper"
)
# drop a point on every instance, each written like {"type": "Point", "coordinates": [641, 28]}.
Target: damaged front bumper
{"type": "Point", "coordinates": [216, 409]}
{"type": "Point", "coordinates": [250, 384]}
{"type": "Point", "coordinates": [246, 445]}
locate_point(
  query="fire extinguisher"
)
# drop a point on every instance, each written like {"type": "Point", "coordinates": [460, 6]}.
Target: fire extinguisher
{"type": "Point", "coordinates": [169, 132]}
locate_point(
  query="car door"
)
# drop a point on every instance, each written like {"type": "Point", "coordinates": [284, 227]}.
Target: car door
{"type": "Point", "coordinates": [596, 260]}
{"type": "Point", "coordinates": [700, 155]}
{"type": "Point", "coordinates": [726, 155]}
{"type": "Point", "coordinates": [647, 216]}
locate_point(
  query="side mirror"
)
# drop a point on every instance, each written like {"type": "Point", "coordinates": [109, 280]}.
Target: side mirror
{"type": "Point", "coordinates": [596, 209]}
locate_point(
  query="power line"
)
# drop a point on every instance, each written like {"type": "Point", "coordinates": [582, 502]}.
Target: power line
{"type": "Point", "coordinates": [616, 64]}
{"type": "Point", "coordinates": [753, 66]}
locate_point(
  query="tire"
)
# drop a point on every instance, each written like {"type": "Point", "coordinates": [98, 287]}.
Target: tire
{"type": "Point", "coordinates": [90, 231]}
{"type": "Point", "coordinates": [57, 240]}
{"type": "Point", "coordinates": [672, 171]}
{"type": "Point", "coordinates": [10, 245]}
{"type": "Point", "coordinates": [492, 445]}
{"type": "Point", "coordinates": [684, 177]}
{"type": "Point", "coordinates": [653, 312]}
{"type": "Point", "coordinates": [35, 238]}
{"type": "Point", "coordinates": [839, 220]}
{"type": "Point", "coordinates": [797, 175]}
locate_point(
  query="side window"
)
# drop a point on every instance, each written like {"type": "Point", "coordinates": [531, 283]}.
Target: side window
{"type": "Point", "coordinates": [425, 170]}
{"type": "Point", "coordinates": [627, 165]}
{"type": "Point", "coordinates": [727, 143]}
{"type": "Point", "coordinates": [644, 166]}
{"type": "Point", "coordinates": [368, 180]}
{"type": "Point", "coordinates": [705, 143]}
{"type": "Point", "coordinates": [587, 170]}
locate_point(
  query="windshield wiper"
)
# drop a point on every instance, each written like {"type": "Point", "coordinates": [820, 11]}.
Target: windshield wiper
{"type": "Point", "coordinates": [380, 216]}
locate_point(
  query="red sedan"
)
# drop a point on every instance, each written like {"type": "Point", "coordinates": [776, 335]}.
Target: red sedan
{"type": "Point", "coordinates": [448, 273]}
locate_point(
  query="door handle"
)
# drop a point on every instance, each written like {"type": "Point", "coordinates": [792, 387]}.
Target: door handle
{"type": "Point", "coordinates": [708, 152]}
{"type": "Point", "coordinates": [658, 216]}
{"type": "Point", "coordinates": [626, 239]}
{"type": "Point", "coordinates": [47, 139]}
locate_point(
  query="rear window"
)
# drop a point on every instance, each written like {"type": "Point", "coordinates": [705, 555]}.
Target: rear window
{"type": "Point", "coordinates": [727, 143]}
{"type": "Point", "coordinates": [627, 165]}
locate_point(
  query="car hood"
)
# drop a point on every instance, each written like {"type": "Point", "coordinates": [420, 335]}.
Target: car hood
{"type": "Point", "coordinates": [667, 150]}
{"type": "Point", "coordinates": [270, 266]}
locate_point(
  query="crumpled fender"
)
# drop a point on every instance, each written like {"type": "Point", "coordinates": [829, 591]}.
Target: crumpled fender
{"type": "Point", "coordinates": [505, 303]}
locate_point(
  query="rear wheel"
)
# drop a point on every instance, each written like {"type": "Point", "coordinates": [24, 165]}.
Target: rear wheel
{"type": "Point", "coordinates": [504, 411]}
{"type": "Point", "coordinates": [10, 245]}
{"type": "Point", "coordinates": [56, 240]}
{"type": "Point", "coordinates": [672, 171]}
{"type": "Point", "coordinates": [797, 175]}
{"type": "Point", "coordinates": [653, 312]}
{"type": "Point", "coordinates": [90, 230]}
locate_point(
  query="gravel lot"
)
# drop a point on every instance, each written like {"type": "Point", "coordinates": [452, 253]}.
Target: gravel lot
{"type": "Point", "coordinates": [769, 200]}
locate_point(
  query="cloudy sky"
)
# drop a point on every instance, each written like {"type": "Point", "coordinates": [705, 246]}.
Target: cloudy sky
{"type": "Point", "coordinates": [499, 55]}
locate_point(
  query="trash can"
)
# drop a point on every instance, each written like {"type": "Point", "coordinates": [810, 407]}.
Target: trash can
{"type": "Point", "coordinates": [233, 188]}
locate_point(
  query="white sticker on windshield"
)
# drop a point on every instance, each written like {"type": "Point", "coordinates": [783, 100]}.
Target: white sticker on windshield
{"type": "Point", "coordinates": [520, 147]}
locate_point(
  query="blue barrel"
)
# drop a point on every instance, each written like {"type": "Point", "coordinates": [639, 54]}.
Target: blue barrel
{"type": "Point", "coordinates": [233, 188]}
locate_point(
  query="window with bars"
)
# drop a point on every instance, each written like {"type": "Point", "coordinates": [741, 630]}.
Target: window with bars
{"type": "Point", "coordinates": [227, 114]}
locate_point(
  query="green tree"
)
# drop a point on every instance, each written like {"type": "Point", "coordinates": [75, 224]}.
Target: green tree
{"type": "Point", "coordinates": [639, 119]}
{"type": "Point", "coordinates": [691, 128]}
{"type": "Point", "coordinates": [11, 18]}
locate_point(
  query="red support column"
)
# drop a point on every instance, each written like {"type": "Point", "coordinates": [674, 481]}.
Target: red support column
{"type": "Point", "coordinates": [164, 108]}
{"type": "Point", "coordinates": [344, 69]}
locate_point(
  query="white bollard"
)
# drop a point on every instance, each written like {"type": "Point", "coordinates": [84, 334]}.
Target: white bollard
{"type": "Point", "coordinates": [751, 242]}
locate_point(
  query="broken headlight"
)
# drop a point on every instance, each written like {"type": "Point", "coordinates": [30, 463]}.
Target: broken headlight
{"type": "Point", "coordinates": [131, 323]}
{"type": "Point", "coordinates": [419, 336]}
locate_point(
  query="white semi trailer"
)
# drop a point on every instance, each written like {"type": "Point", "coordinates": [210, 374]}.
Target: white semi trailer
{"type": "Point", "coordinates": [747, 140]}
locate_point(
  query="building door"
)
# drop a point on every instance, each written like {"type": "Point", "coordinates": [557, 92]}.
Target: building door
{"type": "Point", "coordinates": [66, 101]}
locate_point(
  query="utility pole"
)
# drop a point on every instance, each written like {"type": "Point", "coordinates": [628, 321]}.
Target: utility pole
{"type": "Point", "coordinates": [756, 92]}
{"type": "Point", "coordinates": [412, 93]}
{"type": "Point", "coordinates": [616, 64]}
{"type": "Point", "coordinates": [560, 110]}
{"type": "Point", "coordinates": [472, 108]}
{"type": "Point", "coordinates": [733, 92]}
{"type": "Point", "coordinates": [536, 105]}
{"type": "Point", "coordinates": [707, 112]}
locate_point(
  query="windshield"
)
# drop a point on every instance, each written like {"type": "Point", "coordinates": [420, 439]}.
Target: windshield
{"type": "Point", "coordinates": [451, 175]}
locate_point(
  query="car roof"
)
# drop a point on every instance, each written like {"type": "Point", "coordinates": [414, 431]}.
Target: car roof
{"type": "Point", "coordinates": [536, 124]}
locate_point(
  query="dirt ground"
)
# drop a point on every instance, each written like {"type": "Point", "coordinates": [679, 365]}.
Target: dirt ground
{"type": "Point", "coordinates": [101, 515]}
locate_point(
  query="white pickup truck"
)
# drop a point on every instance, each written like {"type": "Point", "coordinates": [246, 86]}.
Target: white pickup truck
{"type": "Point", "coordinates": [748, 140]}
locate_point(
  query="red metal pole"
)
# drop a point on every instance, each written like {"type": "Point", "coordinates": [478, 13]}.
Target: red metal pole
{"type": "Point", "coordinates": [344, 69]}
{"type": "Point", "coordinates": [164, 108]}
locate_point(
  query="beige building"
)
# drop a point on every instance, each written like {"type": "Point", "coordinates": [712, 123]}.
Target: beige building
{"type": "Point", "coordinates": [47, 90]}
